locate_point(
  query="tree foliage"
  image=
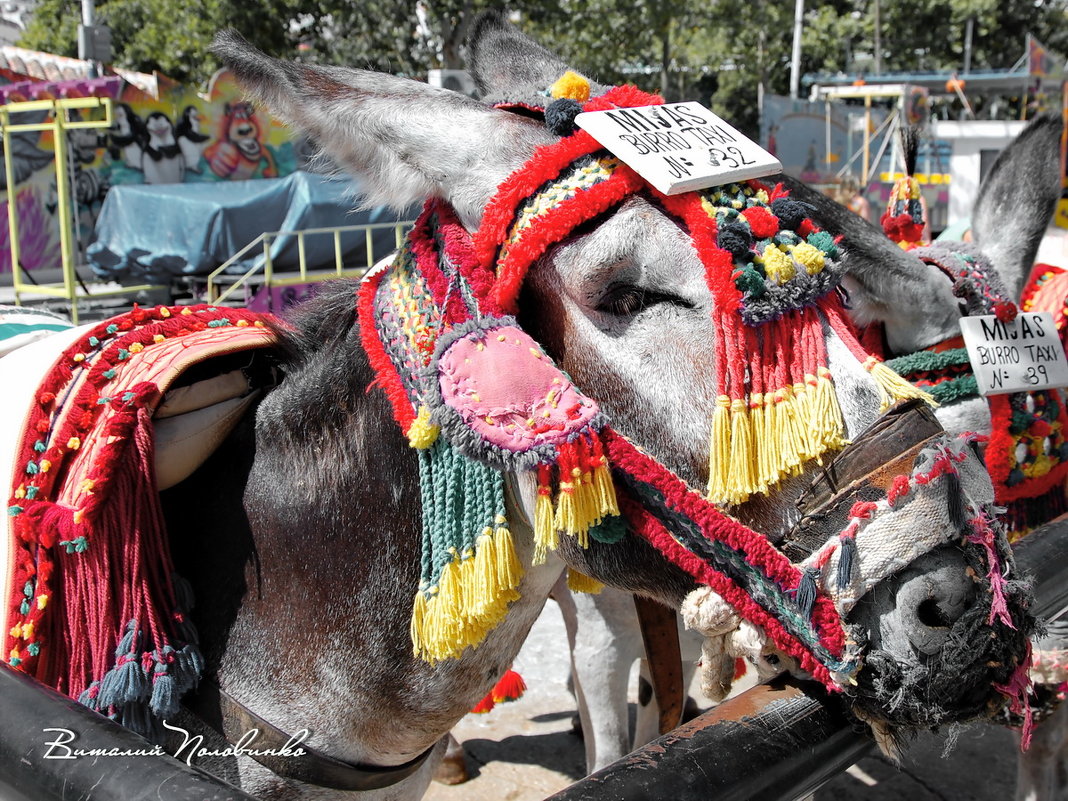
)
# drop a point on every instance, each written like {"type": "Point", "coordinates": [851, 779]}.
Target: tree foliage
{"type": "Point", "coordinates": [717, 51]}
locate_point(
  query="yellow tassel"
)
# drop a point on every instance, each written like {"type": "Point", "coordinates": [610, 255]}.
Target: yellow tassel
{"type": "Point", "coordinates": [806, 439]}
{"type": "Point", "coordinates": [509, 570]}
{"type": "Point", "coordinates": [719, 451]}
{"type": "Point", "coordinates": [741, 480]}
{"type": "Point", "coordinates": [422, 433]}
{"type": "Point", "coordinates": [825, 413]}
{"type": "Point", "coordinates": [580, 582]}
{"type": "Point", "coordinates": [546, 536]}
{"type": "Point", "coordinates": [785, 435]}
{"type": "Point", "coordinates": [575, 512]}
{"type": "Point", "coordinates": [419, 632]}
{"type": "Point", "coordinates": [893, 387]}
{"type": "Point", "coordinates": [606, 491]}
{"type": "Point", "coordinates": [484, 571]}
{"type": "Point", "coordinates": [770, 441]}
{"type": "Point", "coordinates": [756, 425]}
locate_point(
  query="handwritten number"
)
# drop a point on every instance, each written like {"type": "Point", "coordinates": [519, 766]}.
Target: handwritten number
{"type": "Point", "coordinates": [741, 155]}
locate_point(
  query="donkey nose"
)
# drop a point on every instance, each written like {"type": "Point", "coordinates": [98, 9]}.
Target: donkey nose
{"type": "Point", "coordinates": [932, 595]}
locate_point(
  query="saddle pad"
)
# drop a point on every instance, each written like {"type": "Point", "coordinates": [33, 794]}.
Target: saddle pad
{"type": "Point", "coordinates": [88, 565]}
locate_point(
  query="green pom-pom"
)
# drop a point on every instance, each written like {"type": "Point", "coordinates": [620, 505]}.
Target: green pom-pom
{"type": "Point", "coordinates": [825, 242]}
{"type": "Point", "coordinates": [610, 530]}
{"type": "Point", "coordinates": [750, 282]}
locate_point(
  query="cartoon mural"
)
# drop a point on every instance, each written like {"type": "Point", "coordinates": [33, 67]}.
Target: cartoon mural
{"type": "Point", "coordinates": [171, 135]}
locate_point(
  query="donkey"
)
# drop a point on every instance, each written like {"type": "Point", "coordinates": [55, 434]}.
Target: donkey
{"type": "Point", "coordinates": [918, 307]}
{"type": "Point", "coordinates": [310, 511]}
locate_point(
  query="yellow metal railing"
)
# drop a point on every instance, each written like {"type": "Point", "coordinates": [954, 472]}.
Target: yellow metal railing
{"type": "Point", "coordinates": [58, 121]}
{"type": "Point", "coordinates": [218, 294]}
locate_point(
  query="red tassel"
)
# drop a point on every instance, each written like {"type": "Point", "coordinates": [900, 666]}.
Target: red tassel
{"type": "Point", "coordinates": [510, 687]}
{"type": "Point", "coordinates": [484, 706]}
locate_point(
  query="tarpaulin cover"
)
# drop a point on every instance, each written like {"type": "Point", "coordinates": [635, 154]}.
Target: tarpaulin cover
{"type": "Point", "coordinates": [158, 232]}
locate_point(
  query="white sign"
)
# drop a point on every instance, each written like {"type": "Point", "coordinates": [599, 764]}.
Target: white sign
{"type": "Point", "coordinates": [1025, 354]}
{"type": "Point", "coordinates": [679, 147]}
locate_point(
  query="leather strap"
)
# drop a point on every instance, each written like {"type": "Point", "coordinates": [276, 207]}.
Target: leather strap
{"type": "Point", "coordinates": [660, 633]}
{"type": "Point", "coordinates": [233, 721]}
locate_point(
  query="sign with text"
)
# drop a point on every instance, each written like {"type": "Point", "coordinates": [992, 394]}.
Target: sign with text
{"type": "Point", "coordinates": [1025, 354]}
{"type": "Point", "coordinates": [679, 147]}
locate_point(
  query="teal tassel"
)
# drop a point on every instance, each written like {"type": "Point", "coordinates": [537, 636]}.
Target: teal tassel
{"type": "Point", "coordinates": [164, 702]}
{"type": "Point", "coordinates": [124, 684]}
{"type": "Point", "coordinates": [847, 552]}
{"type": "Point", "coordinates": [187, 668]}
{"type": "Point", "coordinates": [805, 595]}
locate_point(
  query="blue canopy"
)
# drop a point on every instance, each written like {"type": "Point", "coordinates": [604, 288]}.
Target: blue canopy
{"type": "Point", "coordinates": [157, 232]}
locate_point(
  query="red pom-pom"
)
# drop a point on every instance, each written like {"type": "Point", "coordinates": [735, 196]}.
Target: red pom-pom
{"type": "Point", "coordinates": [762, 222]}
{"type": "Point", "coordinates": [1005, 311]}
{"type": "Point", "coordinates": [510, 687]}
{"type": "Point", "coordinates": [1040, 428]}
{"type": "Point", "coordinates": [46, 398]}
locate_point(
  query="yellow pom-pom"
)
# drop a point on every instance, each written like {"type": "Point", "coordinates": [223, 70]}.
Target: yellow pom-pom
{"type": "Point", "coordinates": [27, 631]}
{"type": "Point", "coordinates": [157, 338]}
{"type": "Point", "coordinates": [810, 257]}
{"type": "Point", "coordinates": [44, 465]}
{"type": "Point", "coordinates": [572, 86]}
{"type": "Point", "coordinates": [164, 312]}
{"type": "Point", "coordinates": [20, 493]}
{"type": "Point", "coordinates": [422, 433]}
{"type": "Point", "coordinates": [16, 631]}
{"type": "Point", "coordinates": [74, 443]}
{"type": "Point", "coordinates": [136, 347]}
{"type": "Point", "coordinates": [42, 601]}
{"type": "Point", "coordinates": [778, 266]}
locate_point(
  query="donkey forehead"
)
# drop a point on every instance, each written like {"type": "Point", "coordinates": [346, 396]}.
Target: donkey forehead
{"type": "Point", "coordinates": [637, 244]}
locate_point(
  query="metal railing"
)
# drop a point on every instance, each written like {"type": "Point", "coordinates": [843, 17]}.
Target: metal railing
{"type": "Point", "coordinates": [302, 275]}
{"type": "Point", "coordinates": [57, 121]}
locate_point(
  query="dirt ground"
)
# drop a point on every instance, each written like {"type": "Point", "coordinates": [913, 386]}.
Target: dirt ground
{"type": "Point", "coordinates": [526, 750]}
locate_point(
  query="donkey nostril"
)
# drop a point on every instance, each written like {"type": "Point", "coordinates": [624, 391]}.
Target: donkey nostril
{"type": "Point", "coordinates": [932, 615]}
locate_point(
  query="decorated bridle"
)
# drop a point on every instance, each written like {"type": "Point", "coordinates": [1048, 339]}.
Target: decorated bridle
{"type": "Point", "coordinates": [478, 398]}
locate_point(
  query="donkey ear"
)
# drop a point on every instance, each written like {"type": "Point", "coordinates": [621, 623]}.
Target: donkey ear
{"type": "Point", "coordinates": [507, 65]}
{"type": "Point", "coordinates": [407, 141]}
{"type": "Point", "coordinates": [1017, 200]}
{"type": "Point", "coordinates": [883, 274]}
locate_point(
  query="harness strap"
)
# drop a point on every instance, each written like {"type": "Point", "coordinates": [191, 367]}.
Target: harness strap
{"type": "Point", "coordinates": [660, 634]}
{"type": "Point", "coordinates": [232, 720]}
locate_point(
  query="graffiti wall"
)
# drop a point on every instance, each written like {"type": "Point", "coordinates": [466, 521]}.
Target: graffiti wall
{"type": "Point", "coordinates": [170, 135]}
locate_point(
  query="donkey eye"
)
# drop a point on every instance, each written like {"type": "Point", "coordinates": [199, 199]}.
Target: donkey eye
{"type": "Point", "coordinates": [627, 300]}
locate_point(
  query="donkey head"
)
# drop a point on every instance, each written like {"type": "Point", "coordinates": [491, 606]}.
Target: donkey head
{"type": "Point", "coordinates": [624, 305]}
{"type": "Point", "coordinates": [915, 301]}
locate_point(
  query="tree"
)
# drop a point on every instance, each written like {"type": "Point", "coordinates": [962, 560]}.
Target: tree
{"type": "Point", "coordinates": [172, 36]}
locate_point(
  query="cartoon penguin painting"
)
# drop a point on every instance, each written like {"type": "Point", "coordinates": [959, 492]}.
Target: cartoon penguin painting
{"type": "Point", "coordinates": [190, 139]}
{"type": "Point", "coordinates": [162, 162]}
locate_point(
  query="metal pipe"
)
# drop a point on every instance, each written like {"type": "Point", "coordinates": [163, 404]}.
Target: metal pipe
{"type": "Point", "coordinates": [778, 740]}
{"type": "Point", "coordinates": [31, 767]}
{"type": "Point", "coordinates": [795, 56]}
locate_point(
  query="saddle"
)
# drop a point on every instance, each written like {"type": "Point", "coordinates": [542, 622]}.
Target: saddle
{"type": "Point", "coordinates": [133, 406]}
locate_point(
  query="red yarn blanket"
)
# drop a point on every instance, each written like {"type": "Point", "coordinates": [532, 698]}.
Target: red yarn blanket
{"type": "Point", "coordinates": [93, 609]}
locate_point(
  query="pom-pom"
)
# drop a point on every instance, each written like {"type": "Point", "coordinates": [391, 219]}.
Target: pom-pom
{"type": "Point", "coordinates": [560, 116]}
{"type": "Point", "coordinates": [791, 212]}
{"type": "Point", "coordinates": [763, 223]}
{"type": "Point", "coordinates": [735, 239]}
{"type": "Point", "coordinates": [571, 86]}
